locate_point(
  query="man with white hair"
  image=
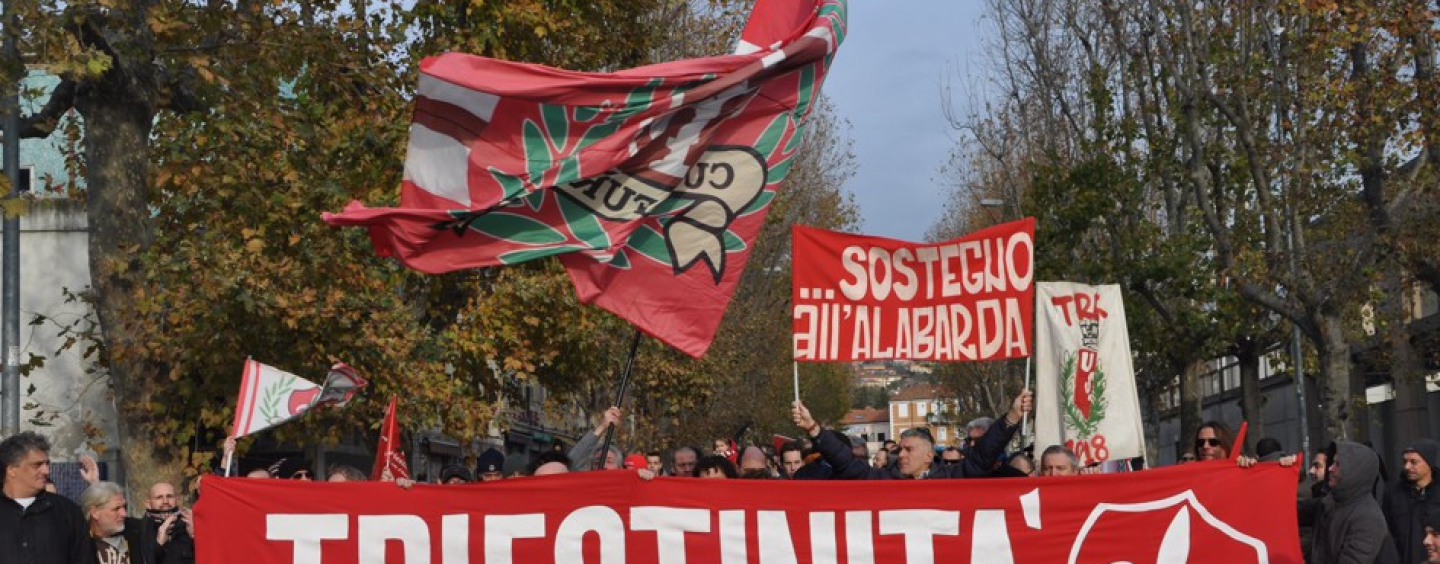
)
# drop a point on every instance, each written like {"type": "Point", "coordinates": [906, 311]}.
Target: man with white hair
{"type": "Point", "coordinates": [585, 454]}
{"type": "Point", "coordinates": [116, 538]}
{"type": "Point", "coordinates": [36, 526]}
{"type": "Point", "coordinates": [1059, 461]}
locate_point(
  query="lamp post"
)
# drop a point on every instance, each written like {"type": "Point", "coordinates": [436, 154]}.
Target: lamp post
{"type": "Point", "coordinates": [10, 332]}
{"type": "Point", "coordinates": [995, 204]}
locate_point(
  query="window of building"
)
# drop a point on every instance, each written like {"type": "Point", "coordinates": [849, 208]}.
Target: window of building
{"type": "Point", "coordinates": [942, 434]}
{"type": "Point", "coordinates": [1232, 377]}
{"type": "Point", "coordinates": [27, 178]}
{"type": "Point", "coordinates": [903, 410]}
{"type": "Point", "coordinates": [919, 409]}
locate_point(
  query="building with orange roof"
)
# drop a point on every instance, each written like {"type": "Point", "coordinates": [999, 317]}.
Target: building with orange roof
{"type": "Point", "coordinates": [925, 405]}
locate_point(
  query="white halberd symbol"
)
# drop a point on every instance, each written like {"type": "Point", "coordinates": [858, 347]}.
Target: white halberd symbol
{"type": "Point", "coordinates": [1175, 546]}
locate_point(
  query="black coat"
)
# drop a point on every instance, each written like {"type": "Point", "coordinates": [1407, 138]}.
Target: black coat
{"type": "Point", "coordinates": [180, 549]}
{"type": "Point", "coordinates": [1407, 507]}
{"type": "Point", "coordinates": [50, 531]}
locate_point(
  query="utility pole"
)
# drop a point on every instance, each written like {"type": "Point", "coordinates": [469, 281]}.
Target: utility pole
{"type": "Point", "coordinates": [10, 253]}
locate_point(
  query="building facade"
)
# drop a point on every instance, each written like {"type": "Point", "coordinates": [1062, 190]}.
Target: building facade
{"type": "Point", "coordinates": [1280, 402]}
{"type": "Point", "coordinates": [870, 424]}
{"type": "Point", "coordinates": [925, 405]}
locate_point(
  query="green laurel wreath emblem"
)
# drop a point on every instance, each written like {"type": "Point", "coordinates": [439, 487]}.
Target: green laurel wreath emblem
{"type": "Point", "coordinates": [270, 401]}
{"type": "Point", "coordinates": [1084, 426]}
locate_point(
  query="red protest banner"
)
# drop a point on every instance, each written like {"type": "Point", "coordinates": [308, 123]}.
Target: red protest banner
{"type": "Point", "coordinates": [871, 298]}
{"type": "Point", "coordinates": [1206, 512]}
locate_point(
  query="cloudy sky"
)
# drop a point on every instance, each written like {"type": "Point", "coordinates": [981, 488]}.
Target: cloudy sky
{"type": "Point", "coordinates": [886, 81]}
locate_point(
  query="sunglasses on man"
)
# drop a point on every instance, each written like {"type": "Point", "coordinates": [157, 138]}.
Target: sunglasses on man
{"type": "Point", "coordinates": [1210, 442]}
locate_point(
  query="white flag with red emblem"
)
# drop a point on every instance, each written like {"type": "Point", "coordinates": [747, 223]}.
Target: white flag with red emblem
{"type": "Point", "coordinates": [1085, 397]}
{"type": "Point", "coordinates": [270, 396]}
{"type": "Point", "coordinates": [389, 456]}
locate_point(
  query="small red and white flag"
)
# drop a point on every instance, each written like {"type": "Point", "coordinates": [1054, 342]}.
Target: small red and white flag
{"type": "Point", "coordinates": [270, 396]}
{"type": "Point", "coordinates": [389, 457]}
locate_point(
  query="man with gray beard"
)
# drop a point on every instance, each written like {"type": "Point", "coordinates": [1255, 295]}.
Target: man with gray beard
{"type": "Point", "coordinates": [116, 537]}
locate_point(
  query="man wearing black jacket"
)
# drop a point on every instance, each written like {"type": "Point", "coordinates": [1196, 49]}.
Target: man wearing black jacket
{"type": "Point", "coordinates": [36, 526]}
{"type": "Point", "coordinates": [1412, 499]}
{"type": "Point", "coordinates": [172, 525]}
{"type": "Point", "coordinates": [917, 449]}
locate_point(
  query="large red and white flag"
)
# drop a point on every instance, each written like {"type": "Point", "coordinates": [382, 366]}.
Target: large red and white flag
{"type": "Point", "coordinates": [651, 183]}
{"type": "Point", "coordinates": [389, 455]}
{"type": "Point", "coordinates": [1085, 395]}
{"type": "Point", "coordinates": [270, 396]}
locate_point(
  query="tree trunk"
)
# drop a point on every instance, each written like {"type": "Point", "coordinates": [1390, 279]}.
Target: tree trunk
{"type": "Point", "coordinates": [1192, 403]}
{"type": "Point", "coordinates": [1247, 354]}
{"type": "Point", "coordinates": [118, 158]}
{"type": "Point", "coordinates": [1344, 392]}
{"type": "Point", "coordinates": [1150, 415]}
{"type": "Point", "coordinates": [1407, 372]}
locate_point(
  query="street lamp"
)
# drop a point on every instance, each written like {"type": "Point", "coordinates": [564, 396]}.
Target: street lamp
{"type": "Point", "coordinates": [997, 207]}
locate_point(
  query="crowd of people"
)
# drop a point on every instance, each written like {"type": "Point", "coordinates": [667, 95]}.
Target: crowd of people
{"type": "Point", "coordinates": [1352, 509]}
{"type": "Point", "coordinates": [1347, 509]}
{"type": "Point", "coordinates": [39, 526]}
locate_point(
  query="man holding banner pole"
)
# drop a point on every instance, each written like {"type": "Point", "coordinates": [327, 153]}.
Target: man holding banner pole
{"type": "Point", "coordinates": [917, 448]}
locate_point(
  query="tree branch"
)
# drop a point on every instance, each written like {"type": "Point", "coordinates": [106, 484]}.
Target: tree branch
{"type": "Point", "coordinates": [1270, 301]}
{"type": "Point", "coordinates": [42, 123]}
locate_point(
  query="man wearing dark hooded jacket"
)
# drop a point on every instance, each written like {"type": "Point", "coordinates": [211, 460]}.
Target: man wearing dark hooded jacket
{"type": "Point", "coordinates": [1411, 499]}
{"type": "Point", "coordinates": [917, 449]}
{"type": "Point", "coordinates": [1349, 524]}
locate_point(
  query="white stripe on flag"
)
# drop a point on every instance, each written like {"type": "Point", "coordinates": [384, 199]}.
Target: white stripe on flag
{"type": "Point", "coordinates": [257, 371]}
{"type": "Point", "coordinates": [482, 104]}
{"type": "Point", "coordinates": [746, 47]}
{"type": "Point", "coordinates": [235, 421]}
{"type": "Point", "coordinates": [247, 400]}
{"type": "Point", "coordinates": [772, 59]}
{"type": "Point", "coordinates": [438, 164]}
{"type": "Point", "coordinates": [824, 34]}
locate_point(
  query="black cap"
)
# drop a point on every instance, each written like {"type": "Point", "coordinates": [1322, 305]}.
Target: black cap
{"type": "Point", "coordinates": [456, 471]}
{"type": "Point", "coordinates": [490, 461]}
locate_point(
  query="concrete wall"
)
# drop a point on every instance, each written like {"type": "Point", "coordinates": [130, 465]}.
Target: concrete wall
{"type": "Point", "coordinates": [71, 403]}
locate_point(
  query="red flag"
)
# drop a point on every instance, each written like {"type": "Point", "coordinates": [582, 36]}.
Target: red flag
{"type": "Point", "coordinates": [651, 183]}
{"type": "Point", "coordinates": [1239, 444]}
{"type": "Point", "coordinates": [389, 456]}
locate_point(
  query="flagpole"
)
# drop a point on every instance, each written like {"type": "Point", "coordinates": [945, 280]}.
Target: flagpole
{"type": "Point", "coordinates": [619, 399]}
{"type": "Point", "coordinates": [1025, 421]}
{"type": "Point", "coordinates": [234, 426]}
{"type": "Point", "coordinates": [796, 364]}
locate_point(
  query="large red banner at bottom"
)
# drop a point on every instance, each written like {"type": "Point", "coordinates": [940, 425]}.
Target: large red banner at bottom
{"type": "Point", "coordinates": [1208, 512]}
